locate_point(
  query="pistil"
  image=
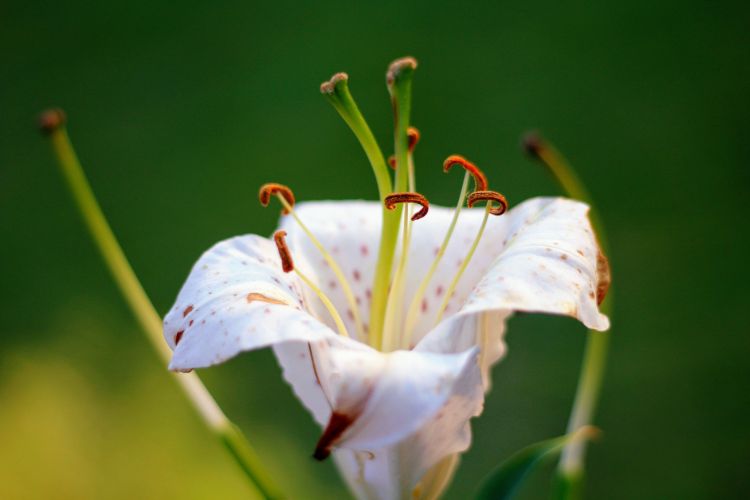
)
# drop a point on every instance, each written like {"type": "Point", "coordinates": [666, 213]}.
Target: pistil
{"type": "Point", "coordinates": [286, 198]}
{"type": "Point", "coordinates": [287, 265]}
{"type": "Point", "coordinates": [336, 90]}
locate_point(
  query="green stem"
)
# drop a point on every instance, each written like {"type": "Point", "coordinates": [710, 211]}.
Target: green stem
{"type": "Point", "coordinates": [146, 315]}
{"type": "Point", "coordinates": [571, 469]}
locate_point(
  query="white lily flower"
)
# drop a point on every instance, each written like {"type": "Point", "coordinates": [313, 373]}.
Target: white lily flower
{"type": "Point", "coordinates": [393, 393]}
{"type": "Point", "coordinates": [391, 418]}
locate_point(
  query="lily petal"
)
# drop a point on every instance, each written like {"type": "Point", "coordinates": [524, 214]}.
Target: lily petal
{"type": "Point", "coordinates": [237, 299]}
{"type": "Point", "coordinates": [395, 421]}
{"type": "Point", "coordinates": [541, 256]}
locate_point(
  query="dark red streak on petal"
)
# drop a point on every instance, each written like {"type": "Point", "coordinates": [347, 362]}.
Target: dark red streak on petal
{"type": "Point", "coordinates": [337, 424]}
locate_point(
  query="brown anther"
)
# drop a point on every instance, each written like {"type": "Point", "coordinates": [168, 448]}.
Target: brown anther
{"type": "Point", "coordinates": [329, 87]}
{"type": "Point", "coordinates": [51, 119]}
{"type": "Point", "coordinates": [287, 264]}
{"type": "Point", "coordinates": [532, 143]}
{"type": "Point", "coordinates": [272, 188]}
{"type": "Point", "coordinates": [413, 135]}
{"type": "Point", "coordinates": [489, 196]}
{"type": "Point", "coordinates": [398, 66]}
{"type": "Point", "coordinates": [395, 198]}
{"type": "Point", "coordinates": [480, 181]}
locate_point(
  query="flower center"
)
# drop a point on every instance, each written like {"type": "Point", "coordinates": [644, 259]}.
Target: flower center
{"type": "Point", "coordinates": [393, 315]}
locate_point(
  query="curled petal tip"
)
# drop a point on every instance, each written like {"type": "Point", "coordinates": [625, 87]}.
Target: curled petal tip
{"type": "Point", "coordinates": [337, 424]}
{"type": "Point", "coordinates": [51, 120]}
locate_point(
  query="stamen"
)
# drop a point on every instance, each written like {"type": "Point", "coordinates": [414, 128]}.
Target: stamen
{"type": "Point", "coordinates": [413, 137]}
{"type": "Point", "coordinates": [411, 317]}
{"type": "Point", "coordinates": [480, 180]}
{"type": "Point", "coordinates": [271, 188]}
{"type": "Point", "coordinates": [281, 194]}
{"type": "Point", "coordinates": [51, 120]}
{"type": "Point", "coordinates": [489, 196]}
{"type": "Point", "coordinates": [392, 335]}
{"type": "Point", "coordinates": [287, 264]}
{"type": "Point", "coordinates": [393, 199]}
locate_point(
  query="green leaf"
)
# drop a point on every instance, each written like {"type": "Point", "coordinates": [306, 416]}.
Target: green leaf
{"type": "Point", "coordinates": [504, 481]}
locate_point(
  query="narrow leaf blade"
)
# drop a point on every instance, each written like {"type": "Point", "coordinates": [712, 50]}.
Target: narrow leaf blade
{"type": "Point", "coordinates": [504, 481]}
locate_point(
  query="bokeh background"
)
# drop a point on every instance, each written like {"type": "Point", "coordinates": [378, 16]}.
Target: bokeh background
{"type": "Point", "coordinates": [180, 111]}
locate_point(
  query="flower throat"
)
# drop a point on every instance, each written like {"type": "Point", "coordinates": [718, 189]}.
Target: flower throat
{"type": "Point", "coordinates": [390, 323]}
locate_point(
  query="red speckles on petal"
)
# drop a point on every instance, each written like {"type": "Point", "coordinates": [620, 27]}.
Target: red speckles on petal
{"type": "Point", "coordinates": [332, 284]}
{"type": "Point", "coordinates": [439, 290]}
{"type": "Point", "coordinates": [187, 311]}
{"type": "Point", "coordinates": [178, 337]}
{"type": "Point", "coordinates": [364, 250]}
{"type": "Point", "coordinates": [356, 275]}
{"type": "Point", "coordinates": [368, 294]}
{"type": "Point", "coordinates": [424, 305]}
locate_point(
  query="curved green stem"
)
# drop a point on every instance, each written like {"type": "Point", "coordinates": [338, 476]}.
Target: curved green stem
{"type": "Point", "coordinates": [149, 319]}
{"type": "Point", "coordinates": [571, 469]}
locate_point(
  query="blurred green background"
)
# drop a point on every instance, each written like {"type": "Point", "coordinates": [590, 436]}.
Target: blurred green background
{"type": "Point", "coordinates": [179, 113]}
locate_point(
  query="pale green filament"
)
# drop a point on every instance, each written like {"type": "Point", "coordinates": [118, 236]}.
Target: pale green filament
{"type": "Point", "coordinates": [411, 316]}
{"type": "Point", "coordinates": [334, 267]}
{"type": "Point", "coordinates": [394, 310]}
{"type": "Point", "coordinates": [464, 264]}
{"type": "Point", "coordinates": [326, 302]}
{"type": "Point", "coordinates": [392, 337]}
